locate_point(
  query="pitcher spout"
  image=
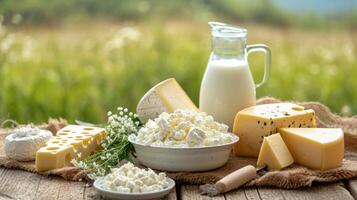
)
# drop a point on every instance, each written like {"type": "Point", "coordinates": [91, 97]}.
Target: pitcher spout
{"type": "Point", "coordinates": [222, 29]}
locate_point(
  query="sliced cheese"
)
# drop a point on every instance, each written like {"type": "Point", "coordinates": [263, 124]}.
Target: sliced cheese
{"type": "Point", "coordinates": [254, 123]}
{"type": "Point", "coordinates": [68, 143]}
{"type": "Point", "coordinates": [274, 153]}
{"type": "Point", "coordinates": [167, 96]}
{"type": "Point", "coordinates": [316, 148]}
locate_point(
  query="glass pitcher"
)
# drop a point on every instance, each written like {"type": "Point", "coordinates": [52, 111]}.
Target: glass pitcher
{"type": "Point", "coordinates": [227, 85]}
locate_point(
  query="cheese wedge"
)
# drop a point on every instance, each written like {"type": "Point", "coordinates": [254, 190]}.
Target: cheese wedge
{"type": "Point", "coordinates": [315, 148]}
{"type": "Point", "coordinates": [274, 153]}
{"type": "Point", "coordinates": [254, 123]}
{"type": "Point", "coordinates": [167, 96]}
{"type": "Point", "coordinates": [67, 144]}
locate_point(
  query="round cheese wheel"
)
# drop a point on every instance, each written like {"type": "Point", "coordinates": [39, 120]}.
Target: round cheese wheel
{"type": "Point", "coordinates": [23, 143]}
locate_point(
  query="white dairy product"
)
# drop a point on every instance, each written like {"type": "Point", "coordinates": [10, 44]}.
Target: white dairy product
{"type": "Point", "coordinates": [227, 87]}
{"type": "Point", "coordinates": [23, 143]}
{"type": "Point", "coordinates": [195, 136]}
{"type": "Point", "coordinates": [184, 128]}
{"type": "Point", "coordinates": [131, 179]}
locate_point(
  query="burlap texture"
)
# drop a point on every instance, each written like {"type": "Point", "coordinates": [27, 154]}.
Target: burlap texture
{"type": "Point", "coordinates": [294, 176]}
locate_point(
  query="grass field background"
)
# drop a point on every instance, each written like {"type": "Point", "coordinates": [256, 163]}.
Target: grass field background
{"type": "Point", "coordinates": [82, 71]}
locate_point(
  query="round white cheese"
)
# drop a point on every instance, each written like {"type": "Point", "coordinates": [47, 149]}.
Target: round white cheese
{"type": "Point", "coordinates": [23, 143]}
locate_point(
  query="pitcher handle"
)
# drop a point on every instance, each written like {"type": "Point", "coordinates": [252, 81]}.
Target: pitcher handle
{"type": "Point", "coordinates": [264, 48]}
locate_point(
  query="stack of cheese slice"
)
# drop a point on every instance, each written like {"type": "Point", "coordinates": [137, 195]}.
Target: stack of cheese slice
{"type": "Point", "coordinates": [254, 123]}
{"type": "Point", "coordinates": [68, 143]}
{"type": "Point", "coordinates": [166, 96]}
{"type": "Point", "coordinates": [315, 148]}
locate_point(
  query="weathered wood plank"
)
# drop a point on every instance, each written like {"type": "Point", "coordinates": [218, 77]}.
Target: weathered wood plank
{"type": "Point", "coordinates": [3, 196]}
{"type": "Point", "coordinates": [352, 187]}
{"type": "Point", "coordinates": [90, 193]}
{"type": "Point", "coordinates": [59, 189]}
{"type": "Point", "coordinates": [192, 192]}
{"type": "Point", "coordinates": [323, 192]}
{"type": "Point", "coordinates": [249, 193]}
{"type": "Point", "coordinates": [17, 184]}
{"type": "Point", "coordinates": [236, 194]}
{"type": "Point", "coordinates": [253, 193]}
{"type": "Point", "coordinates": [319, 192]}
{"type": "Point", "coordinates": [71, 190]}
{"type": "Point", "coordinates": [48, 189]}
{"type": "Point", "coordinates": [270, 194]}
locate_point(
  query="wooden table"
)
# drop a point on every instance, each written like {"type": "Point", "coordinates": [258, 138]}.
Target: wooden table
{"type": "Point", "coordinates": [17, 184]}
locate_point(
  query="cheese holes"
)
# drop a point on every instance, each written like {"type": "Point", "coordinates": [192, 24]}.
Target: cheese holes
{"type": "Point", "coordinates": [86, 133]}
{"type": "Point", "coordinates": [298, 108]}
{"type": "Point", "coordinates": [52, 148]}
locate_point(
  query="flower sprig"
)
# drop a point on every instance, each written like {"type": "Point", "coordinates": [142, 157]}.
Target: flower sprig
{"type": "Point", "coordinates": [116, 146]}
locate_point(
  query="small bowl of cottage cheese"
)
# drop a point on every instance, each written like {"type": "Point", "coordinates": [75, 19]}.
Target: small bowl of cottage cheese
{"type": "Point", "coordinates": [130, 182]}
{"type": "Point", "coordinates": [183, 141]}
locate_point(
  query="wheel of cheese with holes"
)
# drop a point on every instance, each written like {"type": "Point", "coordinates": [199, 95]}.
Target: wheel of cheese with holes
{"type": "Point", "coordinates": [23, 143]}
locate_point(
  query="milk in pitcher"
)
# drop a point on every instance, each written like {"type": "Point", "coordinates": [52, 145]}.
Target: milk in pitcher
{"type": "Point", "coordinates": [228, 86]}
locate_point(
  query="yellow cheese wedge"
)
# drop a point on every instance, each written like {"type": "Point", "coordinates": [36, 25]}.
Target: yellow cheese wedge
{"type": "Point", "coordinates": [274, 153]}
{"type": "Point", "coordinates": [166, 96]}
{"type": "Point", "coordinates": [67, 144]}
{"type": "Point", "coordinates": [254, 123]}
{"type": "Point", "coordinates": [315, 148]}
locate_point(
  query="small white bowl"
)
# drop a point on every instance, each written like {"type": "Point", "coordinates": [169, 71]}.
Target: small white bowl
{"type": "Point", "coordinates": [107, 194]}
{"type": "Point", "coordinates": [183, 159]}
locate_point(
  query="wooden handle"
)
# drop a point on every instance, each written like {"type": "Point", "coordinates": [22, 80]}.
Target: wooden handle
{"type": "Point", "coordinates": [236, 179]}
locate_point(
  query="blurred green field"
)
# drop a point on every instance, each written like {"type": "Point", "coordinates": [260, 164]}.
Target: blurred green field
{"type": "Point", "coordinates": [81, 72]}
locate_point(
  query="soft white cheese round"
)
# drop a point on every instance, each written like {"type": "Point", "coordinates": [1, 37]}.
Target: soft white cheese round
{"type": "Point", "coordinates": [23, 143]}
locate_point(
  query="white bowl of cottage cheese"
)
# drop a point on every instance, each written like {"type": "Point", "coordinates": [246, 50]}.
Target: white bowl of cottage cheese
{"type": "Point", "coordinates": [130, 182]}
{"type": "Point", "coordinates": [183, 141]}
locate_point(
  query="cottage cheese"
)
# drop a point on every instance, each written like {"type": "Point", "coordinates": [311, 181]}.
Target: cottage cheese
{"type": "Point", "coordinates": [184, 128]}
{"type": "Point", "coordinates": [131, 179]}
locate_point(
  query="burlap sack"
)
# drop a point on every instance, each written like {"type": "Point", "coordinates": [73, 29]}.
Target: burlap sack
{"type": "Point", "coordinates": [294, 176]}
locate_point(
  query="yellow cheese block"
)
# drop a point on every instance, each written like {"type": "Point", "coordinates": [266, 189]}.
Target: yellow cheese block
{"type": "Point", "coordinates": [256, 122]}
{"type": "Point", "coordinates": [274, 153]}
{"type": "Point", "coordinates": [315, 148]}
{"type": "Point", "coordinates": [67, 144]}
{"type": "Point", "coordinates": [166, 96]}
